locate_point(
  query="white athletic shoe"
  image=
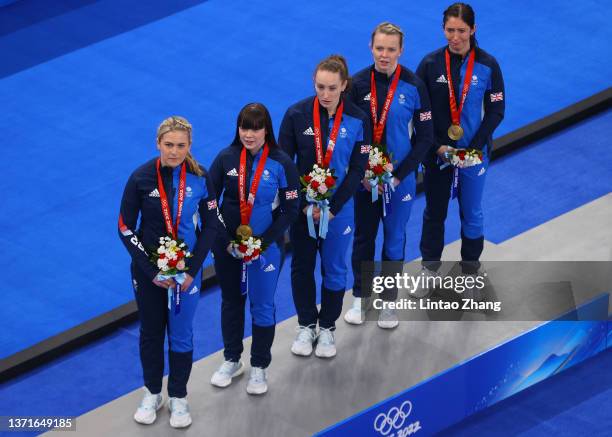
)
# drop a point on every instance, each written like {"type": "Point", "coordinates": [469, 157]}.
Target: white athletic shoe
{"type": "Point", "coordinates": [258, 382]}
{"type": "Point", "coordinates": [223, 376]}
{"type": "Point", "coordinates": [326, 343]}
{"type": "Point", "coordinates": [387, 319]}
{"type": "Point", "coordinates": [147, 410]}
{"type": "Point", "coordinates": [179, 412]}
{"type": "Point", "coordinates": [353, 316]}
{"type": "Point", "coordinates": [302, 345]}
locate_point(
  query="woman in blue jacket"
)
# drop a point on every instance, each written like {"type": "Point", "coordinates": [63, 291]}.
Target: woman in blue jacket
{"type": "Point", "coordinates": [330, 131]}
{"type": "Point", "coordinates": [466, 89]}
{"type": "Point", "coordinates": [259, 184]}
{"type": "Point", "coordinates": [173, 196]}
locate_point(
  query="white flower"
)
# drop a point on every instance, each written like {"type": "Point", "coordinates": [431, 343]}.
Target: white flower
{"type": "Point", "coordinates": [162, 262]}
{"type": "Point", "coordinates": [160, 250]}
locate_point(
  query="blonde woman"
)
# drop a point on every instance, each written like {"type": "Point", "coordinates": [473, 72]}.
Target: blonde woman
{"type": "Point", "coordinates": [173, 196]}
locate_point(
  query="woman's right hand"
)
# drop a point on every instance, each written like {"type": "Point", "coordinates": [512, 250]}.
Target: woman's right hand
{"type": "Point", "coordinates": [316, 212]}
{"type": "Point", "coordinates": [366, 185]}
{"type": "Point", "coordinates": [442, 152]}
{"type": "Point", "coordinates": [166, 283]}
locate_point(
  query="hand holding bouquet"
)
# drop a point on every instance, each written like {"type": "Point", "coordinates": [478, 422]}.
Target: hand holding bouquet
{"type": "Point", "coordinates": [378, 172]}
{"type": "Point", "coordinates": [318, 185]}
{"type": "Point", "coordinates": [247, 250]}
{"type": "Point", "coordinates": [463, 158]}
{"type": "Point", "coordinates": [170, 258]}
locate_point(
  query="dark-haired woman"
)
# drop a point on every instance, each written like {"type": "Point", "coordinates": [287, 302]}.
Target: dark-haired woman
{"type": "Point", "coordinates": [259, 184]}
{"type": "Point", "coordinates": [466, 89]}
{"type": "Point", "coordinates": [331, 132]}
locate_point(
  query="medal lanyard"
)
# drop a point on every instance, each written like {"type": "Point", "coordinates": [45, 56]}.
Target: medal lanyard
{"type": "Point", "coordinates": [170, 228]}
{"type": "Point", "coordinates": [456, 112]}
{"type": "Point", "coordinates": [379, 125]}
{"type": "Point", "coordinates": [316, 115]}
{"type": "Point", "coordinates": [246, 205]}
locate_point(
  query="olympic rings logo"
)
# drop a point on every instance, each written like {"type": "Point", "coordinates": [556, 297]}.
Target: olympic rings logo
{"type": "Point", "coordinates": [394, 419]}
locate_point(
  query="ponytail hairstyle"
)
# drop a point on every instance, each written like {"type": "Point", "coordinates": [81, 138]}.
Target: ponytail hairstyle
{"type": "Point", "coordinates": [178, 123]}
{"type": "Point", "coordinates": [336, 64]}
{"type": "Point", "coordinates": [465, 13]}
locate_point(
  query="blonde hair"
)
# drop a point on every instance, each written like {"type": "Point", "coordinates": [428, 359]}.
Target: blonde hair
{"type": "Point", "coordinates": [389, 29]}
{"type": "Point", "coordinates": [179, 123]}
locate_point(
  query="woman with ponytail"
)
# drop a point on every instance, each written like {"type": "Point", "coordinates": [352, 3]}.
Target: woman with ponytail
{"type": "Point", "coordinates": [170, 195]}
{"type": "Point", "coordinates": [328, 131]}
{"type": "Point", "coordinates": [466, 89]}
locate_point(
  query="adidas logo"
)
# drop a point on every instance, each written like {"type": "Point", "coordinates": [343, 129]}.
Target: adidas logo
{"type": "Point", "coordinates": [441, 79]}
{"type": "Point", "coordinates": [367, 97]}
{"type": "Point", "coordinates": [308, 131]}
{"type": "Point", "coordinates": [232, 172]}
{"type": "Point", "coordinates": [481, 172]}
{"type": "Point", "coordinates": [407, 198]}
{"type": "Point", "coordinates": [194, 290]}
{"type": "Point", "coordinates": [154, 193]}
{"type": "Point", "coordinates": [270, 268]}
{"type": "Point", "coordinates": [347, 230]}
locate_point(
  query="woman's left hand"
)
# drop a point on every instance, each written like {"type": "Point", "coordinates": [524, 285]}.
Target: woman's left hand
{"type": "Point", "coordinates": [187, 282]}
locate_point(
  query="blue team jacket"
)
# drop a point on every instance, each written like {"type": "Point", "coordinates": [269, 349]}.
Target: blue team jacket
{"type": "Point", "coordinates": [484, 106]}
{"type": "Point", "coordinates": [199, 221]}
{"type": "Point", "coordinates": [350, 155]}
{"type": "Point", "coordinates": [408, 132]}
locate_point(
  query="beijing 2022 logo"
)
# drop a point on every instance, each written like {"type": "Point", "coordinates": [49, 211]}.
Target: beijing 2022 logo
{"type": "Point", "coordinates": [395, 420]}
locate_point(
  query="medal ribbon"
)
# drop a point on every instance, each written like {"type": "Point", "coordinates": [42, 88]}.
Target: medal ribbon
{"type": "Point", "coordinates": [456, 113]}
{"type": "Point", "coordinates": [246, 205]}
{"type": "Point", "coordinates": [379, 125]}
{"type": "Point", "coordinates": [170, 228]}
{"type": "Point", "coordinates": [332, 136]}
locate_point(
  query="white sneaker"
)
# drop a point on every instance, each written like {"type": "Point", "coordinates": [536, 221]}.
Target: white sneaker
{"type": "Point", "coordinates": [223, 376]}
{"type": "Point", "coordinates": [326, 343]}
{"type": "Point", "coordinates": [147, 411]}
{"type": "Point", "coordinates": [258, 383]}
{"type": "Point", "coordinates": [353, 316]}
{"type": "Point", "coordinates": [179, 412]}
{"type": "Point", "coordinates": [426, 284]}
{"type": "Point", "coordinates": [387, 319]}
{"type": "Point", "coordinates": [302, 345]}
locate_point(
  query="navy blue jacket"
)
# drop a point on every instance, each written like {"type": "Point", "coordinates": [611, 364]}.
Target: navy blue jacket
{"type": "Point", "coordinates": [484, 106]}
{"type": "Point", "coordinates": [351, 151]}
{"type": "Point", "coordinates": [199, 221]}
{"type": "Point", "coordinates": [408, 132]}
{"type": "Point", "coordinates": [276, 200]}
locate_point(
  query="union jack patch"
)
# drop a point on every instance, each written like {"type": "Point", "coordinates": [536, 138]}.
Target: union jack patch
{"type": "Point", "coordinates": [293, 194]}
{"type": "Point", "coordinates": [212, 204]}
{"type": "Point", "coordinates": [497, 97]}
{"type": "Point", "coordinates": [424, 116]}
{"type": "Point", "coordinates": [366, 149]}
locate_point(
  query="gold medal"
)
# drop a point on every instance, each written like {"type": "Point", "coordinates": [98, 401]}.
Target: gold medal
{"type": "Point", "coordinates": [244, 232]}
{"type": "Point", "coordinates": [455, 132]}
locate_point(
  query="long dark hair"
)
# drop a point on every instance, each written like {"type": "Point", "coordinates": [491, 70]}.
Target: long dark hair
{"type": "Point", "coordinates": [255, 116]}
{"type": "Point", "coordinates": [465, 13]}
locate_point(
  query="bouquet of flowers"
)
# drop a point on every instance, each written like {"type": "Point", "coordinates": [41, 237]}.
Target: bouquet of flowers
{"type": "Point", "coordinates": [464, 158]}
{"type": "Point", "coordinates": [247, 250]}
{"type": "Point", "coordinates": [170, 258]}
{"type": "Point", "coordinates": [379, 169]}
{"type": "Point", "coordinates": [318, 186]}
